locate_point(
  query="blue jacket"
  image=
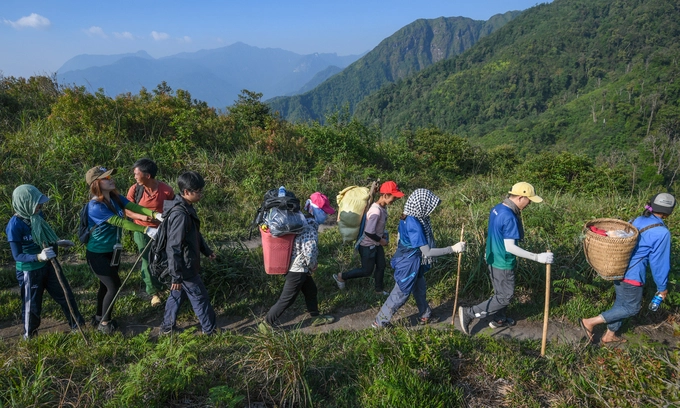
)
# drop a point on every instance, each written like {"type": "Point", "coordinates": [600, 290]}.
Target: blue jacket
{"type": "Point", "coordinates": [654, 250]}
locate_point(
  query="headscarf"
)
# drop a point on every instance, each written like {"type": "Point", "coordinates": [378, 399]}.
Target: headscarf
{"type": "Point", "coordinates": [420, 204]}
{"type": "Point", "coordinates": [25, 200]}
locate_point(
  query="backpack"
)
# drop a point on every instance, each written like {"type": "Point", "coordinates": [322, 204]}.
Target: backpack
{"type": "Point", "coordinates": [84, 231]}
{"type": "Point", "coordinates": [272, 200]}
{"type": "Point", "coordinates": [158, 257]}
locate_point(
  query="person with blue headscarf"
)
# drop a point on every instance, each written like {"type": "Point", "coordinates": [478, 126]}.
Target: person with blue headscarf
{"type": "Point", "coordinates": [28, 234]}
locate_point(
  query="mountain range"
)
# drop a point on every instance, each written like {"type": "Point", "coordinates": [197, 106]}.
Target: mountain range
{"type": "Point", "coordinates": [411, 49]}
{"type": "Point", "coordinates": [215, 76]}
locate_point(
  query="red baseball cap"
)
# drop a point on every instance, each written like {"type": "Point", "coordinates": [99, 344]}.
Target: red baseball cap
{"type": "Point", "coordinates": [390, 187]}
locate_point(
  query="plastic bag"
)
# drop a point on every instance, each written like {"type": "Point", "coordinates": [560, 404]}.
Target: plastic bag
{"type": "Point", "coordinates": [620, 234]}
{"type": "Point", "coordinates": [282, 222]}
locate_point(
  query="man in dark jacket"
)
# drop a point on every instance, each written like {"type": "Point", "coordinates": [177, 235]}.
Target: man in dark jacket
{"type": "Point", "coordinates": [185, 244]}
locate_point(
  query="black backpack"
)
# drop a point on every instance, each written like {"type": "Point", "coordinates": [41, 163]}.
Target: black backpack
{"type": "Point", "coordinates": [83, 231]}
{"type": "Point", "coordinates": [272, 200]}
{"type": "Point", "coordinates": [158, 257]}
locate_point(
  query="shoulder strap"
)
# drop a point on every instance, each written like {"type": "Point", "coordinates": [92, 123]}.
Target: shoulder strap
{"type": "Point", "coordinates": [139, 193]}
{"type": "Point", "coordinates": [658, 224]}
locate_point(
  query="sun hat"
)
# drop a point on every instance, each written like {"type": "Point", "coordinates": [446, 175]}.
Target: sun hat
{"type": "Point", "coordinates": [662, 203]}
{"type": "Point", "coordinates": [390, 187]}
{"type": "Point", "coordinates": [321, 201]}
{"type": "Point", "coordinates": [96, 173]}
{"type": "Point", "coordinates": [525, 189]}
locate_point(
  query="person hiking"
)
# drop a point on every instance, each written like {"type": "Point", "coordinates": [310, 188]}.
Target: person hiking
{"type": "Point", "coordinates": [414, 256]}
{"type": "Point", "coordinates": [504, 232]}
{"type": "Point", "coordinates": [303, 262]}
{"type": "Point", "coordinates": [106, 220]}
{"type": "Point", "coordinates": [374, 239]}
{"type": "Point", "coordinates": [26, 231]}
{"type": "Point", "coordinates": [149, 193]}
{"type": "Point", "coordinates": [654, 250]}
{"type": "Point", "coordinates": [184, 247]}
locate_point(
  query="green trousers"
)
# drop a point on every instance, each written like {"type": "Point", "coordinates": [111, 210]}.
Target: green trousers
{"type": "Point", "coordinates": [153, 286]}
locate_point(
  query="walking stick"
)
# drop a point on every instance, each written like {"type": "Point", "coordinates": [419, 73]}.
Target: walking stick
{"type": "Point", "coordinates": [455, 299]}
{"type": "Point", "coordinates": [58, 271]}
{"type": "Point", "coordinates": [126, 278]}
{"type": "Point", "coordinates": [547, 308]}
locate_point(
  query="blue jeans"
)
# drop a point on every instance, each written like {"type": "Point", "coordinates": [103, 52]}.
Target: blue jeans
{"type": "Point", "coordinates": [397, 299]}
{"type": "Point", "coordinates": [628, 302]}
{"type": "Point", "coordinates": [194, 289]}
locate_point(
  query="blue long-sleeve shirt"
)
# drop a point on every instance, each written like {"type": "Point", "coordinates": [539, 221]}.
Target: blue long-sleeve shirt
{"type": "Point", "coordinates": [654, 250]}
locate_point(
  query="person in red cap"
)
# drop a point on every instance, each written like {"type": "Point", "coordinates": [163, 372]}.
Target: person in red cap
{"type": "Point", "coordinates": [303, 262]}
{"type": "Point", "coordinates": [372, 241]}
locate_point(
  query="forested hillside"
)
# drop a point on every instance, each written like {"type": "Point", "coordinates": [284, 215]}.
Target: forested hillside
{"type": "Point", "coordinates": [409, 50]}
{"type": "Point", "coordinates": [586, 76]}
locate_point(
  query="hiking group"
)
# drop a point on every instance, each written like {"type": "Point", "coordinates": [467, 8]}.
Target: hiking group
{"type": "Point", "coordinates": [166, 230]}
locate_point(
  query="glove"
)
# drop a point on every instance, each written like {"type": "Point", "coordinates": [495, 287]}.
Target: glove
{"type": "Point", "coordinates": [46, 254]}
{"type": "Point", "coordinates": [545, 257]}
{"type": "Point", "coordinates": [151, 232]}
{"type": "Point", "coordinates": [459, 247]}
{"type": "Point", "coordinates": [158, 216]}
{"type": "Point", "coordinates": [65, 243]}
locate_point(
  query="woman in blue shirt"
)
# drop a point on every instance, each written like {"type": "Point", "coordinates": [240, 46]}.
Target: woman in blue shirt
{"type": "Point", "coordinates": [106, 220]}
{"type": "Point", "coordinates": [414, 256]}
{"type": "Point", "coordinates": [654, 250]}
{"type": "Point", "coordinates": [27, 232]}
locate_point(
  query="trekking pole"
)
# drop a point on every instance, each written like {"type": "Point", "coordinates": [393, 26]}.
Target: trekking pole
{"type": "Point", "coordinates": [126, 278]}
{"type": "Point", "coordinates": [547, 308]}
{"type": "Point", "coordinates": [58, 271]}
{"type": "Point", "coordinates": [455, 299]}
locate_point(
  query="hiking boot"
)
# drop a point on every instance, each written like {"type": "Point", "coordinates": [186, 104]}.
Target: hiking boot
{"type": "Point", "coordinates": [107, 328]}
{"type": "Point", "coordinates": [504, 322]}
{"type": "Point", "coordinates": [465, 320]}
{"type": "Point", "coordinates": [321, 320]}
{"type": "Point", "coordinates": [341, 284]}
{"type": "Point", "coordinates": [156, 301]}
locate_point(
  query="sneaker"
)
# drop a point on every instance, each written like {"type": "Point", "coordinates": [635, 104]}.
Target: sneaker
{"type": "Point", "coordinates": [107, 328]}
{"type": "Point", "coordinates": [341, 284]}
{"type": "Point", "coordinates": [323, 319]}
{"type": "Point", "coordinates": [165, 331]}
{"type": "Point", "coordinates": [214, 332]}
{"type": "Point", "coordinates": [382, 292]}
{"type": "Point", "coordinates": [465, 320]}
{"type": "Point", "coordinates": [155, 301]}
{"type": "Point", "coordinates": [423, 321]}
{"type": "Point", "coordinates": [264, 328]}
{"type": "Point", "coordinates": [504, 322]}
{"type": "Point", "coordinates": [376, 325]}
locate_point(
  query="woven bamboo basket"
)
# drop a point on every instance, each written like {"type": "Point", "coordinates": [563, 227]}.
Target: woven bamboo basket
{"type": "Point", "coordinates": [609, 256]}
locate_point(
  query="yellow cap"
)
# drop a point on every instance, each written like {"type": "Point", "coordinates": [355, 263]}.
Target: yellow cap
{"type": "Point", "coordinates": [526, 190]}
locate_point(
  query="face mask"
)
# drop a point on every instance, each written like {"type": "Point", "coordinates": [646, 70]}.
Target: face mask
{"type": "Point", "coordinates": [320, 216]}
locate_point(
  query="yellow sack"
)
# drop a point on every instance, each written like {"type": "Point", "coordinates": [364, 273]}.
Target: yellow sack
{"type": "Point", "coordinates": [351, 205]}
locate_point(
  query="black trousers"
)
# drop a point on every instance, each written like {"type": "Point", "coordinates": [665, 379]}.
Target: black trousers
{"type": "Point", "coordinates": [109, 281]}
{"type": "Point", "coordinates": [296, 282]}
{"type": "Point", "coordinates": [371, 259]}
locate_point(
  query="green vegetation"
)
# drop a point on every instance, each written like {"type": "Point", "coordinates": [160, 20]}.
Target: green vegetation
{"type": "Point", "coordinates": [578, 75]}
{"type": "Point", "coordinates": [50, 136]}
{"type": "Point", "coordinates": [409, 50]}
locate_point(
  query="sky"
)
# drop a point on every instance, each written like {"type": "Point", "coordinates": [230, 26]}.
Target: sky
{"type": "Point", "coordinates": [38, 36]}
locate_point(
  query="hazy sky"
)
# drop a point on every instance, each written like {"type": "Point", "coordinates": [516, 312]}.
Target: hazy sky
{"type": "Point", "coordinates": [38, 36]}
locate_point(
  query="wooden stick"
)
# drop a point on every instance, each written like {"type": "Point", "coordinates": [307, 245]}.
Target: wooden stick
{"type": "Point", "coordinates": [58, 271]}
{"type": "Point", "coordinates": [455, 299]}
{"type": "Point", "coordinates": [546, 311]}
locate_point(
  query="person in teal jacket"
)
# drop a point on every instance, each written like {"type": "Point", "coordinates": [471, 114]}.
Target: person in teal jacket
{"type": "Point", "coordinates": [106, 220]}
{"type": "Point", "coordinates": [653, 250]}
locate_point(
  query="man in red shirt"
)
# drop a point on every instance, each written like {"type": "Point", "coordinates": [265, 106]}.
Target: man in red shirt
{"type": "Point", "coordinates": [150, 193]}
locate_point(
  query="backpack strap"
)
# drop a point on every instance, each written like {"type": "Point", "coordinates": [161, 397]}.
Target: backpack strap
{"type": "Point", "coordinates": [139, 193]}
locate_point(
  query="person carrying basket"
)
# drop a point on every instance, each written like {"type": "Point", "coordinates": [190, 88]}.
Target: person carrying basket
{"type": "Point", "coordinates": [654, 250]}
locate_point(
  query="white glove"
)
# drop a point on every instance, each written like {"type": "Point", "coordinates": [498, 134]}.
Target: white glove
{"type": "Point", "coordinates": [65, 243]}
{"type": "Point", "coordinates": [459, 247]}
{"type": "Point", "coordinates": [46, 254]}
{"type": "Point", "coordinates": [545, 257]}
{"type": "Point", "coordinates": [158, 216]}
{"type": "Point", "coordinates": [151, 232]}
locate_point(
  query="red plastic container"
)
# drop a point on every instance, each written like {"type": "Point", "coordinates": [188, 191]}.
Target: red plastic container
{"type": "Point", "coordinates": [277, 251]}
